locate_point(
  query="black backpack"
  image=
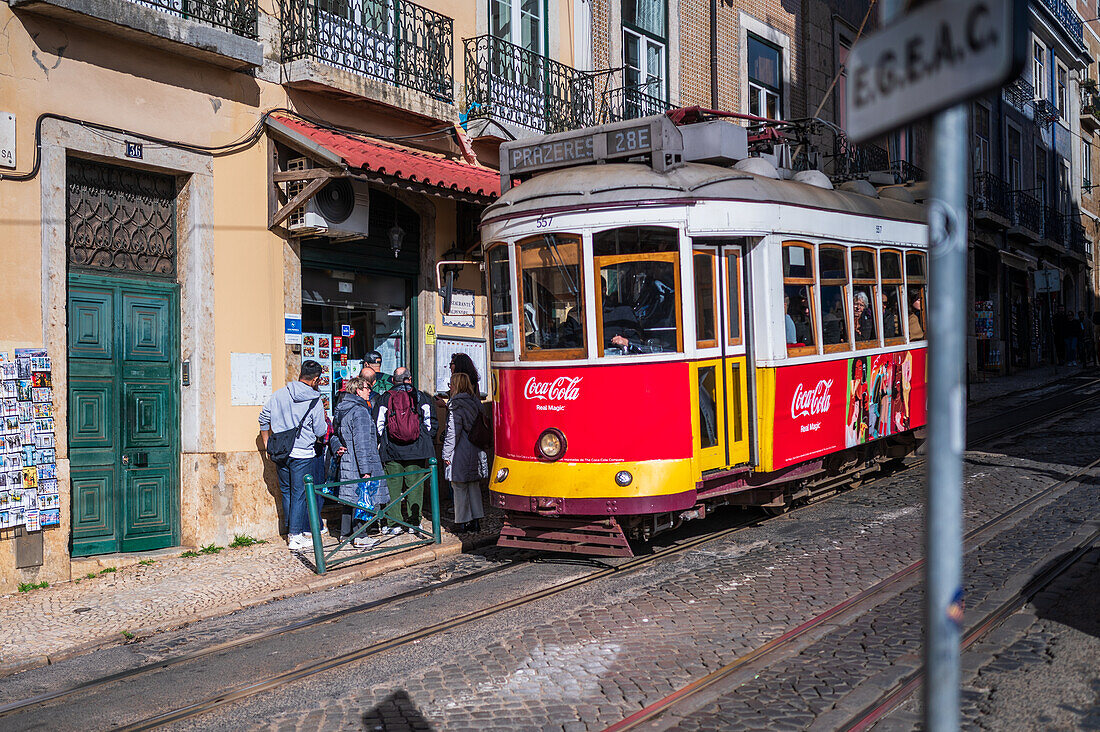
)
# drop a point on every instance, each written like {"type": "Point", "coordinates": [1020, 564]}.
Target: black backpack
{"type": "Point", "coordinates": [481, 431]}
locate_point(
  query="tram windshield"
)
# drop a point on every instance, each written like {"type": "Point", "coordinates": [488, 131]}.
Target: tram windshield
{"type": "Point", "coordinates": [552, 295]}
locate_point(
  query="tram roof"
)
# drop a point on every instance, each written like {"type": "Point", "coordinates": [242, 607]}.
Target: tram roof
{"type": "Point", "coordinates": [631, 183]}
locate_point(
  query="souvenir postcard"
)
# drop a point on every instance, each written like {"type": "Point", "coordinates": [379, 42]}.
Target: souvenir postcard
{"type": "Point", "coordinates": [12, 443]}
{"type": "Point", "coordinates": [40, 411]}
{"type": "Point", "coordinates": [16, 499]}
{"type": "Point", "coordinates": [9, 389]}
{"type": "Point", "coordinates": [50, 517]}
{"type": "Point", "coordinates": [30, 477]}
{"type": "Point", "coordinates": [307, 340]}
{"type": "Point", "coordinates": [308, 352]}
{"type": "Point", "coordinates": [322, 342]}
{"type": "Point", "coordinates": [43, 440]}
{"type": "Point", "coordinates": [26, 411]}
{"type": "Point", "coordinates": [42, 394]}
{"type": "Point", "coordinates": [13, 478]}
{"type": "Point", "coordinates": [47, 455]}
{"type": "Point", "coordinates": [46, 486]}
{"type": "Point", "coordinates": [5, 520]}
{"type": "Point", "coordinates": [41, 379]}
{"type": "Point", "coordinates": [47, 472]}
{"type": "Point", "coordinates": [23, 390]}
{"type": "Point", "coordinates": [30, 520]}
{"type": "Point", "coordinates": [11, 423]}
{"type": "Point", "coordinates": [323, 354]}
{"type": "Point", "coordinates": [49, 500]}
{"type": "Point", "coordinates": [30, 499]}
{"type": "Point", "coordinates": [9, 370]}
{"type": "Point", "coordinates": [10, 461]}
{"type": "Point", "coordinates": [26, 433]}
{"type": "Point", "coordinates": [11, 407]}
{"type": "Point", "coordinates": [40, 363]}
{"type": "Point", "coordinates": [5, 497]}
{"type": "Point", "coordinates": [30, 454]}
{"type": "Point", "coordinates": [23, 368]}
{"type": "Point", "coordinates": [43, 425]}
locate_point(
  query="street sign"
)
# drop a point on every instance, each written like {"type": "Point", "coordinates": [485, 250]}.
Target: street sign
{"type": "Point", "coordinates": [1047, 280]}
{"type": "Point", "coordinates": [943, 53]}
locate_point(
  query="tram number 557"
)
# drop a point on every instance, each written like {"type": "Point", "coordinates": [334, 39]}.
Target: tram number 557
{"type": "Point", "coordinates": [543, 222]}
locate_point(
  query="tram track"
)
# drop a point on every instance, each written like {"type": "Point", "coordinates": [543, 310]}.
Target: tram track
{"type": "Point", "coordinates": [249, 689]}
{"type": "Point", "coordinates": [856, 605]}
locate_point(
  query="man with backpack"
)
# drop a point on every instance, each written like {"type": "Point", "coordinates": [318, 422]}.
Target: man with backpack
{"type": "Point", "coordinates": [407, 426]}
{"type": "Point", "coordinates": [291, 423]}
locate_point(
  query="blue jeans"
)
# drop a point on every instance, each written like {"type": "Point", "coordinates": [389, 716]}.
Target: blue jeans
{"type": "Point", "coordinates": [292, 474]}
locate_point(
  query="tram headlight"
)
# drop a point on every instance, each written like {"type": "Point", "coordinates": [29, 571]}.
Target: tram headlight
{"type": "Point", "coordinates": [624, 478]}
{"type": "Point", "coordinates": [502, 474]}
{"type": "Point", "coordinates": [551, 445]}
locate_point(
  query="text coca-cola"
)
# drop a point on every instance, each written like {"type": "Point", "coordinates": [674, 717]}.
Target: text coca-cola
{"type": "Point", "coordinates": [810, 402]}
{"type": "Point", "coordinates": [563, 388]}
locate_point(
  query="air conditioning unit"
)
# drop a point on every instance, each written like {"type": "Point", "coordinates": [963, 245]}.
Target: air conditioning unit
{"type": "Point", "coordinates": [339, 210]}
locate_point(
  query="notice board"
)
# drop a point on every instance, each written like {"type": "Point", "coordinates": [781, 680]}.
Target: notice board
{"type": "Point", "coordinates": [447, 347]}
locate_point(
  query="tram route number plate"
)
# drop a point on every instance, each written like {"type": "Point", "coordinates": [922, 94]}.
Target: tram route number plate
{"type": "Point", "coordinates": [941, 54]}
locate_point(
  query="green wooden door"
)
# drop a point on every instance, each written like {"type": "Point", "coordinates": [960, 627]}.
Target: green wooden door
{"type": "Point", "coordinates": [123, 414]}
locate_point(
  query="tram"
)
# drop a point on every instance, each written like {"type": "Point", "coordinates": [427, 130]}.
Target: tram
{"type": "Point", "coordinates": [677, 325]}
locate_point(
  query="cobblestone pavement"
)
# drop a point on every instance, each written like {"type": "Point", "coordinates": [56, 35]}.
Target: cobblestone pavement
{"type": "Point", "coordinates": [602, 653]}
{"type": "Point", "coordinates": [172, 590]}
{"type": "Point", "coordinates": [1038, 670]}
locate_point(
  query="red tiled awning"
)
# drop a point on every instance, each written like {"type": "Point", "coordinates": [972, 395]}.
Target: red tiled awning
{"type": "Point", "coordinates": [397, 161]}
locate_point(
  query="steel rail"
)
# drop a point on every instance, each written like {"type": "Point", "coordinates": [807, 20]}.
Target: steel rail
{"type": "Point", "coordinates": [877, 590]}
{"type": "Point", "coordinates": [900, 693]}
{"type": "Point", "coordinates": [42, 699]}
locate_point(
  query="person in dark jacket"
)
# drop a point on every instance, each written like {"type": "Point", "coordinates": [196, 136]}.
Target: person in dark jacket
{"type": "Point", "coordinates": [463, 364]}
{"type": "Point", "coordinates": [400, 458]}
{"type": "Point", "coordinates": [464, 464]}
{"type": "Point", "coordinates": [356, 433]}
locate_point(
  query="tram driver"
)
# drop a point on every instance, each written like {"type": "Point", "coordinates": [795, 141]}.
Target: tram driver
{"type": "Point", "coordinates": [638, 311]}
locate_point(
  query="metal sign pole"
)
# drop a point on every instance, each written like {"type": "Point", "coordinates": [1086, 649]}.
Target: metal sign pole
{"type": "Point", "coordinates": [946, 421]}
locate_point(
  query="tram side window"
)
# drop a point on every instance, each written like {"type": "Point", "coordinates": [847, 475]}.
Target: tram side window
{"type": "Point", "coordinates": [833, 268]}
{"type": "Point", "coordinates": [552, 297]}
{"type": "Point", "coordinates": [500, 302]}
{"type": "Point", "coordinates": [864, 298]}
{"type": "Point", "coordinates": [798, 298]}
{"type": "Point", "coordinates": [915, 294]}
{"type": "Point", "coordinates": [893, 297]}
{"type": "Point", "coordinates": [639, 305]}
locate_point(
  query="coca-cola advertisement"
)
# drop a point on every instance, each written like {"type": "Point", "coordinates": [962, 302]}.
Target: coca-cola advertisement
{"type": "Point", "coordinates": [615, 413]}
{"type": "Point", "coordinates": [824, 407]}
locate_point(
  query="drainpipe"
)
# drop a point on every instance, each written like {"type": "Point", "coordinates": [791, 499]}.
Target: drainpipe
{"type": "Point", "coordinates": [714, 54]}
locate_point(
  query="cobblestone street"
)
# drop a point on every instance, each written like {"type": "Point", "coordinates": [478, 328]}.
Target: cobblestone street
{"type": "Point", "coordinates": [588, 657]}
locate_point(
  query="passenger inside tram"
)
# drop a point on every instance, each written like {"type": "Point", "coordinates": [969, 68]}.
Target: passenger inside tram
{"type": "Point", "coordinates": [639, 307]}
{"type": "Point", "coordinates": [891, 325]}
{"type": "Point", "coordinates": [834, 326]}
{"type": "Point", "coordinates": [862, 316]}
{"type": "Point", "coordinates": [798, 308]}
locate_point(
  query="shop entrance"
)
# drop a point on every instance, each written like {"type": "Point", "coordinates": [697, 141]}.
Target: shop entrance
{"type": "Point", "coordinates": [359, 296]}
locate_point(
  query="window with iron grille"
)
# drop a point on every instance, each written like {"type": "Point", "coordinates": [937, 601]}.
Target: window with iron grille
{"type": "Point", "coordinates": [120, 219]}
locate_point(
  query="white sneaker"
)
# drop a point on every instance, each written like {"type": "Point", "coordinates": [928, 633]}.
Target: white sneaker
{"type": "Point", "coordinates": [364, 542]}
{"type": "Point", "coordinates": [300, 542]}
{"type": "Point", "coordinates": [395, 530]}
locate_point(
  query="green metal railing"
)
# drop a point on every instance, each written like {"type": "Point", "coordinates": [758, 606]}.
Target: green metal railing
{"type": "Point", "coordinates": [375, 515]}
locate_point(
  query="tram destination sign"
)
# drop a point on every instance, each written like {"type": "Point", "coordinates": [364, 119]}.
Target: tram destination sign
{"type": "Point", "coordinates": [942, 53]}
{"type": "Point", "coordinates": [651, 136]}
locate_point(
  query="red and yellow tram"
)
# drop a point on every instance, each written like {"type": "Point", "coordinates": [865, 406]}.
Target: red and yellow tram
{"type": "Point", "coordinates": [676, 325]}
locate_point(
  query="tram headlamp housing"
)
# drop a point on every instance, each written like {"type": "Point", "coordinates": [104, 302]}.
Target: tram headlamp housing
{"type": "Point", "coordinates": [624, 478]}
{"type": "Point", "coordinates": [502, 474]}
{"type": "Point", "coordinates": [551, 444]}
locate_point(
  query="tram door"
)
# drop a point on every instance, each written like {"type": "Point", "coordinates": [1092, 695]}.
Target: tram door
{"type": "Point", "coordinates": [720, 399]}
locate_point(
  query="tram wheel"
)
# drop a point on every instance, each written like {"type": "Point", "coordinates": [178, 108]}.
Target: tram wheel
{"type": "Point", "coordinates": [777, 510]}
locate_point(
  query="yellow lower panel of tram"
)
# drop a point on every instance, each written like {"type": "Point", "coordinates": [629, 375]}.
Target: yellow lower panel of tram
{"type": "Point", "coordinates": [719, 413]}
{"type": "Point", "coordinates": [592, 480]}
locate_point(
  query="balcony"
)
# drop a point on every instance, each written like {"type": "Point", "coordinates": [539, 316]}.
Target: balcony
{"type": "Point", "coordinates": [1019, 94]}
{"type": "Point", "coordinates": [1090, 108]}
{"type": "Point", "coordinates": [1055, 228]}
{"type": "Point", "coordinates": [1027, 217]}
{"type": "Point", "coordinates": [392, 52]}
{"type": "Point", "coordinates": [1068, 17]}
{"type": "Point", "coordinates": [524, 92]}
{"type": "Point", "coordinates": [219, 32]}
{"type": "Point", "coordinates": [620, 101]}
{"type": "Point", "coordinates": [992, 201]}
{"type": "Point", "coordinates": [1077, 241]}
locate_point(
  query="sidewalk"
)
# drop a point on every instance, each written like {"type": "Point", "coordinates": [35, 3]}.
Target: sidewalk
{"type": "Point", "coordinates": [118, 604]}
{"type": "Point", "coordinates": [1028, 380]}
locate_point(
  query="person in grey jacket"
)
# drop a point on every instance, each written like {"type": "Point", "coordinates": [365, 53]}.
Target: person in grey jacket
{"type": "Point", "coordinates": [464, 464]}
{"type": "Point", "coordinates": [283, 411]}
{"type": "Point", "coordinates": [356, 433]}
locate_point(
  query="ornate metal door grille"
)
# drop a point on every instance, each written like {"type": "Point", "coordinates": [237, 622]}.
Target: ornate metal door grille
{"type": "Point", "coordinates": [120, 219]}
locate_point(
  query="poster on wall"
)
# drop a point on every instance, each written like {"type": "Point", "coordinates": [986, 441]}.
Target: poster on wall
{"type": "Point", "coordinates": [249, 379]}
{"type": "Point", "coordinates": [445, 348]}
{"type": "Point", "coordinates": [319, 347]}
{"type": "Point", "coordinates": [825, 407]}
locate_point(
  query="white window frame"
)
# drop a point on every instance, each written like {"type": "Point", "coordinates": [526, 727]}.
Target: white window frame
{"type": "Point", "coordinates": [515, 33]}
{"type": "Point", "coordinates": [749, 24]}
{"type": "Point", "coordinates": [982, 146]}
{"type": "Point", "coordinates": [1039, 77]}
{"type": "Point", "coordinates": [1014, 183]}
{"type": "Point", "coordinates": [1061, 79]}
{"type": "Point", "coordinates": [647, 84]}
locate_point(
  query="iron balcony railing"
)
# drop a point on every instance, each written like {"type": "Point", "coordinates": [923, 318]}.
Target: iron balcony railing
{"type": "Point", "coordinates": [1076, 239]}
{"type": "Point", "coordinates": [991, 193]}
{"type": "Point", "coordinates": [1054, 225]}
{"type": "Point", "coordinates": [1090, 102]}
{"type": "Point", "coordinates": [857, 161]}
{"type": "Point", "coordinates": [631, 102]}
{"type": "Point", "coordinates": [904, 171]}
{"type": "Point", "coordinates": [508, 82]}
{"type": "Point", "coordinates": [1019, 93]}
{"type": "Point", "coordinates": [396, 41]}
{"type": "Point", "coordinates": [239, 17]}
{"type": "Point", "coordinates": [1027, 212]}
{"type": "Point", "coordinates": [1068, 17]}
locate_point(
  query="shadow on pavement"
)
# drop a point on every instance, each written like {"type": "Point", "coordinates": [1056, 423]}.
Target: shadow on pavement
{"type": "Point", "coordinates": [1074, 599]}
{"type": "Point", "coordinates": [395, 712]}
